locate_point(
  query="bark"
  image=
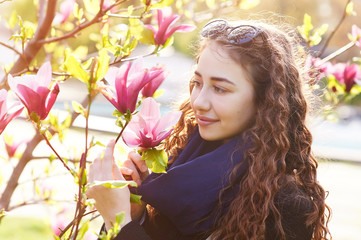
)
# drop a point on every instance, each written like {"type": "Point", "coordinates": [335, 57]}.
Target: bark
{"type": "Point", "coordinates": [35, 44]}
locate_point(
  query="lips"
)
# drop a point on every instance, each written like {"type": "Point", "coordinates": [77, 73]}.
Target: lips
{"type": "Point", "coordinates": [205, 121]}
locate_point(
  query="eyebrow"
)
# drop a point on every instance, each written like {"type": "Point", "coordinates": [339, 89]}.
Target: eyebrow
{"type": "Point", "coordinates": [218, 79]}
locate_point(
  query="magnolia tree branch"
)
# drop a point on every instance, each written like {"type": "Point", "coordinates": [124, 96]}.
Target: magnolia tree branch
{"type": "Point", "coordinates": [334, 31]}
{"type": "Point", "coordinates": [13, 49]}
{"type": "Point", "coordinates": [25, 158]}
{"type": "Point", "coordinates": [34, 44]}
{"type": "Point", "coordinates": [14, 178]}
{"type": "Point", "coordinates": [97, 18]}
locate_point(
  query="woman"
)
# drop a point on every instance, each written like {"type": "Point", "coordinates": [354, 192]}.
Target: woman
{"type": "Point", "coordinates": [241, 165]}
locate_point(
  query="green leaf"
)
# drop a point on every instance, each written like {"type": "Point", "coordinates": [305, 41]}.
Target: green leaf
{"type": "Point", "coordinates": [119, 123]}
{"type": "Point", "coordinates": [317, 35]}
{"type": "Point", "coordinates": [141, 33]}
{"type": "Point", "coordinates": [13, 19]}
{"type": "Point", "coordinates": [211, 3]}
{"type": "Point", "coordinates": [248, 4]}
{"type": "Point", "coordinates": [103, 65]}
{"type": "Point", "coordinates": [116, 113]}
{"type": "Point", "coordinates": [83, 229]}
{"type": "Point", "coordinates": [305, 29]}
{"type": "Point", "coordinates": [114, 183]}
{"type": "Point", "coordinates": [134, 198]}
{"type": "Point", "coordinates": [169, 42]}
{"type": "Point", "coordinates": [91, 6]}
{"type": "Point", "coordinates": [2, 212]}
{"type": "Point", "coordinates": [158, 93]}
{"type": "Point", "coordinates": [74, 68]}
{"type": "Point", "coordinates": [162, 4]}
{"type": "Point", "coordinates": [333, 82]}
{"type": "Point", "coordinates": [35, 117]}
{"type": "Point", "coordinates": [28, 30]}
{"type": "Point", "coordinates": [155, 159]}
{"type": "Point", "coordinates": [350, 9]}
{"type": "Point", "coordinates": [78, 108]}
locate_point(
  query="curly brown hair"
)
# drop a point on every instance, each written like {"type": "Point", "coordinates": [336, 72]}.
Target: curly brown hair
{"type": "Point", "coordinates": [281, 141]}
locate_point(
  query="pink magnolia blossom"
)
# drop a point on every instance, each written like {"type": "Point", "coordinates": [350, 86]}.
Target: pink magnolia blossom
{"type": "Point", "coordinates": [316, 69]}
{"type": "Point", "coordinates": [108, 3]}
{"type": "Point", "coordinates": [5, 117]}
{"type": "Point", "coordinates": [59, 221]}
{"type": "Point", "coordinates": [33, 91]}
{"type": "Point", "coordinates": [347, 74]}
{"type": "Point", "coordinates": [66, 8]}
{"type": "Point", "coordinates": [147, 128]}
{"type": "Point", "coordinates": [12, 146]}
{"type": "Point", "coordinates": [157, 75]}
{"type": "Point", "coordinates": [125, 84]}
{"type": "Point", "coordinates": [166, 29]}
{"type": "Point", "coordinates": [356, 34]}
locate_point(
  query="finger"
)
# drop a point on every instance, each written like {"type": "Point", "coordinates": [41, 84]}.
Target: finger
{"type": "Point", "coordinates": [118, 174]}
{"type": "Point", "coordinates": [125, 171]}
{"type": "Point", "coordinates": [135, 175]}
{"type": "Point", "coordinates": [137, 159]}
{"type": "Point", "coordinates": [107, 163]}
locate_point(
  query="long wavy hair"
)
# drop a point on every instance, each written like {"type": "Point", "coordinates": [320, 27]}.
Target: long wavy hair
{"type": "Point", "coordinates": [281, 141]}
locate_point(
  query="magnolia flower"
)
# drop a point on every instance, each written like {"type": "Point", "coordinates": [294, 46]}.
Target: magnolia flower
{"type": "Point", "coordinates": [316, 69]}
{"type": "Point", "coordinates": [107, 4]}
{"type": "Point", "coordinates": [5, 118]}
{"type": "Point", "coordinates": [347, 74]}
{"type": "Point", "coordinates": [125, 84]}
{"type": "Point", "coordinates": [356, 34]}
{"type": "Point", "coordinates": [157, 76]}
{"type": "Point", "coordinates": [147, 128]}
{"type": "Point", "coordinates": [33, 91]}
{"type": "Point", "coordinates": [66, 8]}
{"type": "Point", "coordinates": [166, 29]}
{"type": "Point", "coordinates": [12, 146]}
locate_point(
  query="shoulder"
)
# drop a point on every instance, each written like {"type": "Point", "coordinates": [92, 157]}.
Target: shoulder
{"type": "Point", "coordinates": [293, 205]}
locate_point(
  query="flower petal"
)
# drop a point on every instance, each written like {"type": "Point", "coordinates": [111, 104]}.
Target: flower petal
{"type": "Point", "coordinates": [31, 99]}
{"type": "Point", "coordinates": [167, 121]}
{"type": "Point", "coordinates": [130, 139]}
{"type": "Point", "coordinates": [150, 111]}
{"type": "Point", "coordinates": [44, 75]}
{"type": "Point", "coordinates": [181, 28]}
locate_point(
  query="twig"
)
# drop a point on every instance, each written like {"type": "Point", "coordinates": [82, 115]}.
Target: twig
{"type": "Point", "coordinates": [72, 223]}
{"type": "Point", "coordinates": [121, 132]}
{"type": "Point", "coordinates": [4, 1]}
{"type": "Point", "coordinates": [97, 18]}
{"type": "Point", "coordinates": [36, 202]}
{"type": "Point", "coordinates": [34, 45]}
{"type": "Point", "coordinates": [134, 58]}
{"type": "Point", "coordinates": [56, 153]}
{"type": "Point", "coordinates": [336, 53]}
{"type": "Point", "coordinates": [13, 49]}
{"type": "Point", "coordinates": [124, 16]}
{"type": "Point", "coordinates": [334, 31]}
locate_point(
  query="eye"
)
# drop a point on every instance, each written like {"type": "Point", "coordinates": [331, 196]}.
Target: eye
{"type": "Point", "coordinates": [196, 83]}
{"type": "Point", "coordinates": [219, 89]}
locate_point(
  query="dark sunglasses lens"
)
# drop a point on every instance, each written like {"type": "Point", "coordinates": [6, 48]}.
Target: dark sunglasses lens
{"type": "Point", "coordinates": [243, 34]}
{"type": "Point", "coordinates": [213, 28]}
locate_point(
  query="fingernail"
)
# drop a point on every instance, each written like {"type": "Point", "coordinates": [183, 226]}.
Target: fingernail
{"type": "Point", "coordinates": [144, 168]}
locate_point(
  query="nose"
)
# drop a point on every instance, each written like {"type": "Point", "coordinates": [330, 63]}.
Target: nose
{"type": "Point", "coordinates": [201, 100]}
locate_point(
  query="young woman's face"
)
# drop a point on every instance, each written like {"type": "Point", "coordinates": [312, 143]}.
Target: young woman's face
{"type": "Point", "coordinates": [222, 96]}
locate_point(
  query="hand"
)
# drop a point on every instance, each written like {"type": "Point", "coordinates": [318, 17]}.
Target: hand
{"type": "Point", "coordinates": [109, 201]}
{"type": "Point", "coordinates": [140, 171]}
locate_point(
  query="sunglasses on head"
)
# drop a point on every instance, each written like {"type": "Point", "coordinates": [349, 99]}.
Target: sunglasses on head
{"type": "Point", "coordinates": [238, 35]}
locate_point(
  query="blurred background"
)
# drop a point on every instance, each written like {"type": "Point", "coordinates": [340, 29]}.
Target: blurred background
{"type": "Point", "coordinates": [337, 143]}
